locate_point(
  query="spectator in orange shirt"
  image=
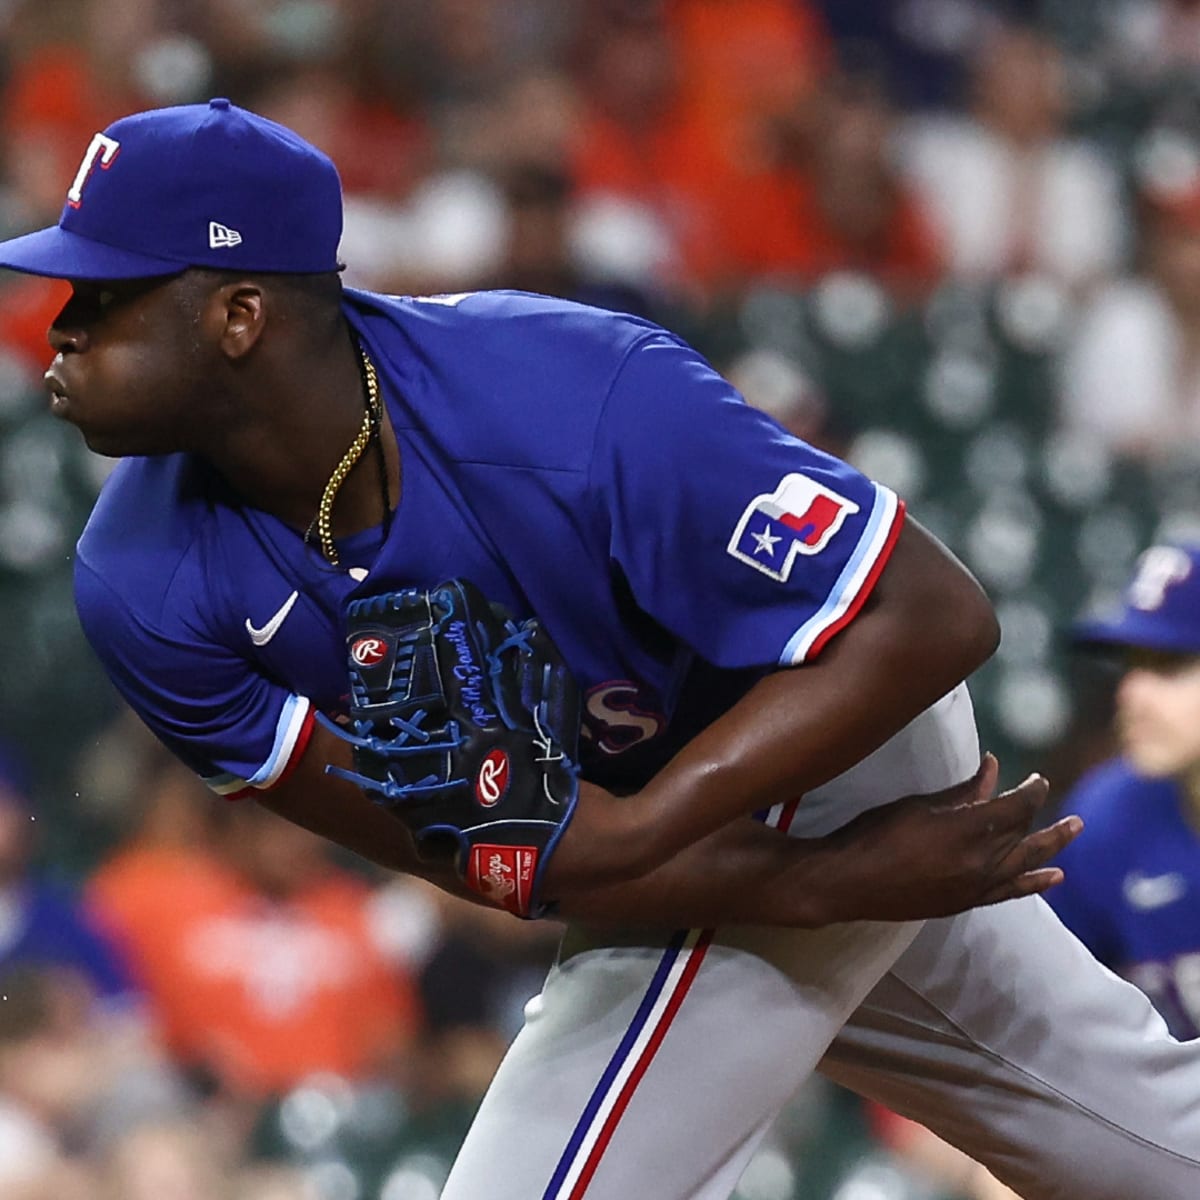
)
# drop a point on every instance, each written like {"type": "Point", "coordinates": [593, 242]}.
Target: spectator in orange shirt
{"type": "Point", "coordinates": [60, 88]}
{"type": "Point", "coordinates": [833, 202]}
{"type": "Point", "coordinates": [745, 65]}
{"type": "Point", "coordinates": [678, 101]}
{"type": "Point", "coordinates": [257, 952]}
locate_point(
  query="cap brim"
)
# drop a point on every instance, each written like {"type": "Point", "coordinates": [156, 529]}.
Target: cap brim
{"type": "Point", "coordinates": [1135, 630]}
{"type": "Point", "coordinates": [60, 254]}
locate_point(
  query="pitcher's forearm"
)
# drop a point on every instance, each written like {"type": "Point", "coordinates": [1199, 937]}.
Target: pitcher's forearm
{"type": "Point", "coordinates": [743, 873]}
{"type": "Point", "coordinates": [912, 859]}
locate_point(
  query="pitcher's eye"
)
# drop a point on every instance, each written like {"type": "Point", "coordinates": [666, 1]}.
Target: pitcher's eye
{"type": "Point", "coordinates": [105, 297]}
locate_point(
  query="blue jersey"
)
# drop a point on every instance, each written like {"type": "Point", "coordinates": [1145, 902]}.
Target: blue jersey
{"type": "Point", "coordinates": [40, 925]}
{"type": "Point", "coordinates": [1132, 887]}
{"type": "Point", "coordinates": [583, 466]}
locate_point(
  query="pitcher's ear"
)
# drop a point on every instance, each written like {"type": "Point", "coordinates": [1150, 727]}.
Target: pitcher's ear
{"type": "Point", "coordinates": [238, 312]}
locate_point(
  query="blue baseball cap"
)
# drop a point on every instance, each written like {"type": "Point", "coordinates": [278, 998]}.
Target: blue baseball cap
{"type": "Point", "coordinates": [197, 185]}
{"type": "Point", "coordinates": [1160, 608]}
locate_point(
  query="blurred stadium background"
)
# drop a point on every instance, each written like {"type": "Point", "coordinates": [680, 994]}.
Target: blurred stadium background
{"type": "Point", "coordinates": [956, 241]}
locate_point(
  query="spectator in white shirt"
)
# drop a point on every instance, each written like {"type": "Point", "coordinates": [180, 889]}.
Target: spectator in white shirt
{"type": "Point", "coordinates": [1011, 192]}
{"type": "Point", "coordinates": [1131, 376]}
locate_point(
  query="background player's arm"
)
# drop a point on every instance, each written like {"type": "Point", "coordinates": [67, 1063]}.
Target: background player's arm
{"type": "Point", "coordinates": [918, 857]}
{"type": "Point", "coordinates": [926, 626]}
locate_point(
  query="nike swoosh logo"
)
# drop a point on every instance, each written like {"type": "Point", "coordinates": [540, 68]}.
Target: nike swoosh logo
{"type": "Point", "coordinates": [260, 637]}
{"type": "Point", "coordinates": [1148, 892]}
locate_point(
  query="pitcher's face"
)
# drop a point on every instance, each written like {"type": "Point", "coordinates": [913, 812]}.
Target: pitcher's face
{"type": "Point", "coordinates": [126, 364]}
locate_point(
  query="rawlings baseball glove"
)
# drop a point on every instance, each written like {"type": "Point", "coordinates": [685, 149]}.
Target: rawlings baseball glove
{"type": "Point", "coordinates": [465, 725]}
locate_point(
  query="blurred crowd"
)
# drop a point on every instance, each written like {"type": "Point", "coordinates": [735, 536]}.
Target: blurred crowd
{"type": "Point", "coordinates": [956, 241]}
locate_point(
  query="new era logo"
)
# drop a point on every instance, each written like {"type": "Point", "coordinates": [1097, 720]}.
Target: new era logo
{"type": "Point", "coordinates": [221, 236]}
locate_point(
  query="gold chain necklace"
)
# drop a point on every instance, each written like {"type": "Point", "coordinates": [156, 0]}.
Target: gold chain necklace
{"type": "Point", "coordinates": [372, 418]}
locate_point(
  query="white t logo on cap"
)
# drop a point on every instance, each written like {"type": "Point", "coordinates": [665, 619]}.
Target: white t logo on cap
{"type": "Point", "coordinates": [102, 148]}
{"type": "Point", "coordinates": [1157, 570]}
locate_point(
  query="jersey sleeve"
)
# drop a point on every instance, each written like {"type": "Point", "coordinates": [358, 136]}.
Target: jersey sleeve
{"type": "Point", "coordinates": [748, 544]}
{"type": "Point", "coordinates": [236, 728]}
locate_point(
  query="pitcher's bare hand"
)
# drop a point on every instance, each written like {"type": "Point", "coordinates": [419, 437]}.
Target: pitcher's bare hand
{"type": "Point", "coordinates": [934, 855]}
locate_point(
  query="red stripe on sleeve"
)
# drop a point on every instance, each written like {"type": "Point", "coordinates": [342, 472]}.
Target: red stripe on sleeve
{"type": "Point", "coordinates": [302, 740]}
{"type": "Point", "coordinates": [868, 586]}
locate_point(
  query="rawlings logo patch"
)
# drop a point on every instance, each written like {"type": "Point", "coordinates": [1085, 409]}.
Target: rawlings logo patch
{"type": "Point", "coordinates": [491, 784]}
{"type": "Point", "coordinates": [503, 875]}
{"type": "Point", "coordinates": [800, 516]}
{"type": "Point", "coordinates": [369, 651]}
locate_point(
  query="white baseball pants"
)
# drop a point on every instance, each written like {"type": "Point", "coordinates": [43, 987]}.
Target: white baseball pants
{"type": "Point", "coordinates": [652, 1067]}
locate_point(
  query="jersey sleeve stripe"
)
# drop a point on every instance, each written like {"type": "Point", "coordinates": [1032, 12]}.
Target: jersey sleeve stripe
{"type": "Point", "coordinates": [292, 731]}
{"type": "Point", "coordinates": [854, 584]}
{"type": "Point", "coordinates": [232, 787]}
{"type": "Point", "coordinates": [296, 715]}
{"type": "Point", "coordinates": [301, 744]}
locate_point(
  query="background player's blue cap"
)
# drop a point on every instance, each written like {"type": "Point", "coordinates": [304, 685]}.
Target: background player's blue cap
{"type": "Point", "coordinates": [198, 185]}
{"type": "Point", "coordinates": [1160, 609]}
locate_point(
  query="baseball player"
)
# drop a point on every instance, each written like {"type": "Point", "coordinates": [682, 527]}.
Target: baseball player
{"type": "Point", "coordinates": [1133, 884]}
{"type": "Point", "coordinates": [763, 641]}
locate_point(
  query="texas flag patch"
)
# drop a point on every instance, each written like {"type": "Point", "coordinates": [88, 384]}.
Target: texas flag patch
{"type": "Point", "coordinates": [799, 517]}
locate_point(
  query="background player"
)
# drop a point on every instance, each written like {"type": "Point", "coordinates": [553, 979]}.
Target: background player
{"type": "Point", "coordinates": [1133, 884]}
{"type": "Point", "coordinates": [551, 454]}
